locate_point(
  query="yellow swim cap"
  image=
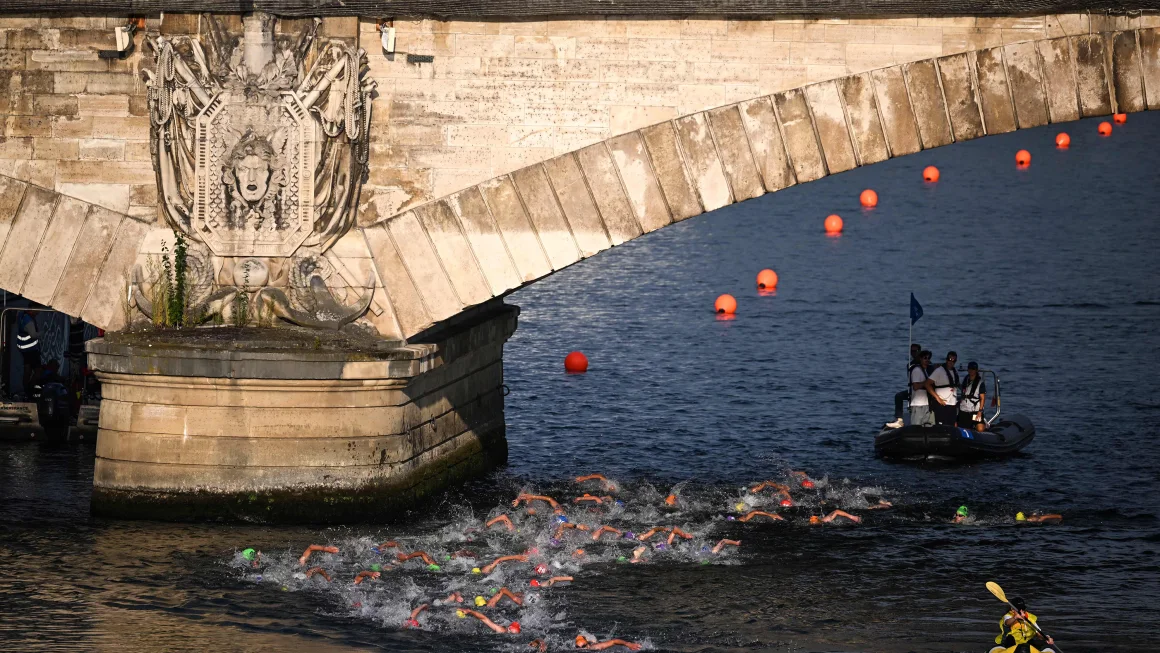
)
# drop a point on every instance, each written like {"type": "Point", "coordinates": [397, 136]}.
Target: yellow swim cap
{"type": "Point", "coordinates": [460, 614]}
{"type": "Point", "coordinates": [475, 570]}
{"type": "Point", "coordinates": [740, 507]}
{"type": "Point", "coordinates": [480, 601]}
{"type": "Point", "coordinates": [1020, 517]}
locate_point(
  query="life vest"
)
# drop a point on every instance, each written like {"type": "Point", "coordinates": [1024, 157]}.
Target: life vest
{"type": "Point", "coordinates": [24, 340]}
{"type": "Point", "coordinates": [1020, 630]}
{"type": "Point", "coordinates": [970, 401]}
{"type": "Point", "coordinates": [910, 376]}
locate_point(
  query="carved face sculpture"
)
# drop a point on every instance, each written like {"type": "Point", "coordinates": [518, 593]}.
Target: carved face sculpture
{"type": "Point", "coordinates": [251, 177]}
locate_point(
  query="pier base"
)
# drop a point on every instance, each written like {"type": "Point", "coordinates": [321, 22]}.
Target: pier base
{"type": "Point", "coordinates": [295, 426]}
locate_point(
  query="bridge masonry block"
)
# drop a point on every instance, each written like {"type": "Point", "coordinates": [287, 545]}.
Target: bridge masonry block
{"type": "Point", "coordinates": [865, 122]}
{"type": "Point", "coordinates": [577, 204]}
{"type": "Point", "coordinates": [640, 182]}
{"type": "Point", "coordinates": [608, 193]}
{"type": "Point", "coordinates": [736, 156]}
{"type": "Point", "coordinates": [926, 97]}
{"type": "Point", "coordinates": [1127, 77]}
{"type": "Point", "coordinates": [958, 83]}
{"type": "Point", "coordinates": [833, 132]}
{"type": "Point", "coordinates": [272, 429]}
{"type": "Point", "coordinates": [994, 91]}
{"type": "Point", "coordinates": [767, 143]}
{"type": "Point", "coordinates": [801, 141]}
{"type": "Point", "coordinates": [1091, 63]}
{"type": "Point", "coordinates": [1150, 62]}
{"type": "Point", "coordinates": [1025, 76]}
{"type": "Point", "coordinates": [894, 106]}
{"type": "Point", "coordinates": [504, 202]}
{"type": "Point", "coordinates": [487, 243]}
{"type": "Point", "coordinates": [540, 201]}
{"type": "Point", "coordinates": [1059, 78]}
{"type": "Point", "coordinates": [703, 161]}
{"type": "Point", "coordinates": [672, 174]}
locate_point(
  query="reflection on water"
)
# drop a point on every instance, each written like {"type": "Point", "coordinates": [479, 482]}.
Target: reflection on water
{"type": "Point", "coordinates": [1046, 274]}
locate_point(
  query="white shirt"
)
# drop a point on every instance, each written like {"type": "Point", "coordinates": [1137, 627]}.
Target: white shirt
{"type": "Point", "coordinates": [918, 397]}
{"type": "Point", "coordinates": [944, 385]}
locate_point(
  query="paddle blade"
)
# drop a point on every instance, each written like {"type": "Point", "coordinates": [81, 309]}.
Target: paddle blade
{"type": "Point", "coordinates": [997, 591]}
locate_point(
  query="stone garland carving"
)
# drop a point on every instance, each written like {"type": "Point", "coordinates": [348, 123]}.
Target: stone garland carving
{"type": "Point", "coordinates": [260, 146]}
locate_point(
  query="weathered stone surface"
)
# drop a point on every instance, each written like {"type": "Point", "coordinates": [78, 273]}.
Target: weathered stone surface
{"type": "Point", "coordinates": [798, 130]}
{"type": "Point", "coordinates": [865, 124]}
{"type": "Point", "coordinates": [608, 193]}
{"type": "Point", "coordinates": [830, 124]}
{"type": "Point", "coordinates": [1127, 78]}
{"type": "Point", "coordinates": [766, 143]}
{"type": "Point", "coordinates": [92, 246]}
{"type": "Point", "coordinates": [24, 236]}
{"type": "Point", "coordinates": [508, 211]}
{"type": "Point", "coordinates": [243, 450]}
{"type": "Point", "coordinates": [405, 300]}
{"type": "Point", "coordinates": [1091, 75]}
{"type": "Point", "coordinates": [552, 228]}
{"type": "Point", "coordinates": [1150, 62]}
{"type": "Point", "coordinates": [994, 91]}
{"type": "Point", "coordinates": [11, 196]}
{"type": "Point", "coordinates": [671, 173]}
{"type": "Point", "coordinates": [1059, 79]}
{"type": "Point", "coordinates": [107, 304]}
{"type": "Point", "coordinates": [930, 111]}
{"type": "Point", "coordinates": [1026, 80]}
{"type": "Point", "coordinates": [703, 162]}
{"type": "Point", "coordinates": [53, 255]}
{"type": "Point", "coordinates": [486, 241]}
{"type": "Point", "coordinates": [442, 227]}
{"type": "Point", "coordinates": [736, 157]}
{"type": "Point", "coordinates": [576, 202]}
{"type": "Point", "coordinates": [640, 183]}
{"type": "Point", "coordinates": [958, 82]}
{"type": "Point", "coordinates": [897, 114]}
{"type": "Point", "coordinates": [431, 280]}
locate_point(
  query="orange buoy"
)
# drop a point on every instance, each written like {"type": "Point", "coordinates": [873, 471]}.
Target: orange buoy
{"type": "Point", "coordinates": [766, 279]}
{"type": "Point", "coordinates": [1105, 129]}
{"type": "Point", "coordinates": [1022, 158]}
{"type": "Point", "coordinates": [725, 304]}
{"type": "Point", "coordinates": [930, 173]}
{"type": "Point", "coordinates": [868, 198]}
{"type": "Point", "coordinates": [575, 363]}
{"type": "Point", "coordinates": [1120, 118]}
{"type": "Point", "coordinates": [833, 225]}
{"type": "Point", "coordinates": [1062, 140]}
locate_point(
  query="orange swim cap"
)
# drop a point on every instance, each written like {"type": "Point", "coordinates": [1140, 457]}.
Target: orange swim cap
{"type": "Point", "coordinates": [581, 641]}
{"type": "Point", "coordinates": [814, 519]}
{"type": "Point", "coordinates": [671, 500]}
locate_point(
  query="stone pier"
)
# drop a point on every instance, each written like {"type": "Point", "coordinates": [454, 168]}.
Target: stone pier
{"type": "Point", "coordinates": [255, 425]}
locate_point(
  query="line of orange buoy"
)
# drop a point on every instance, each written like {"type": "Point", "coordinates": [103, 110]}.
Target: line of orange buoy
{"type": "Point", "coordinates": [1105, 128]}
{"type": "Point", "coordinates": [576, 363]}
{"type": "Point", "coordinates": [868, 198]}
{"type": "Point", "coordinates": [930, 174]}
{"type": "Point", "coordinates": [725, 305]}
{"type": "Point", "coordinates": [1119, 118]}
{"type": "Point", "coordinates": [766, 279]}
{"type": "Point", "coordinates": [1022, 158]}
{"type": "Point", "coordinates": [833, 225]}
{"type": "Point", "coordinates": [1062, 140]}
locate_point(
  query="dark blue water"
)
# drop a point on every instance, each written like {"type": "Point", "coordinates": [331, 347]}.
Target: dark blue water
{"type": "Point", "coordinates": [1049, 276]}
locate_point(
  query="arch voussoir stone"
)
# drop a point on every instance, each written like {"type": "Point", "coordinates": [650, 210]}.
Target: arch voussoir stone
{"type": "Point", "coordinates": [521, 227]}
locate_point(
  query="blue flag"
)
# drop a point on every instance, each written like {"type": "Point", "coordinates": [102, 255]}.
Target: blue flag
{"type": "Point", "coordinates": [915, 309]}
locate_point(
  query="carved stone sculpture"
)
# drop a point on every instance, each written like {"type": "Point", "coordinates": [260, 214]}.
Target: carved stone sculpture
{"type": "Point", "coordinates": [259, 143]}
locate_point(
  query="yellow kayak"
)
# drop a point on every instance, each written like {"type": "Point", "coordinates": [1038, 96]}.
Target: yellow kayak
{"type": "Point", "coordinates": [1011, 649]}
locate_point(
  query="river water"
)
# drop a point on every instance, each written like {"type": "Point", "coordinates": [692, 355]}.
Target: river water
{"type": "Point", "coordinates": [1047, 275]}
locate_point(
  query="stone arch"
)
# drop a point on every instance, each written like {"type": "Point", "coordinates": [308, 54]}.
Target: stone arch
{"type": "Point", "coordinates": [442, 258]}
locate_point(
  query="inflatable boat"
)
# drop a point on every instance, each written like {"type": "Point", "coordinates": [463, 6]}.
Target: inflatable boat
{"type": "Point", "coordinates": [1003, 437]}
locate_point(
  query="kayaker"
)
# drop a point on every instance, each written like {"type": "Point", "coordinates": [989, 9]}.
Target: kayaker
{"type": "Point", "coordinates": [921, 392]}
{"type": "Point", "coordinates": [946, 384]}
{"type": "Point", "coordinates": [915, 350]}
{"type": "Point", "coordinates": [974, 396]}
{"type": "Point", "coordinates": [1017, 630]}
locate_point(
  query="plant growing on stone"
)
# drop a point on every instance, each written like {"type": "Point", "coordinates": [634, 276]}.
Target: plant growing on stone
{"type": "Point", "coordinates": [175, 306]}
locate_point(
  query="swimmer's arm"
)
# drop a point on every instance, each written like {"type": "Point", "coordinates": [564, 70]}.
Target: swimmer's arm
{"type": "Point", "coordinates": [591, 477]}
{"type": "Point", "coordinates": [723, 543]}
{"type": "Point", "coordinates": [638, 552]}
{"type": "Point", "coordinates": [587, 497]}
{"type": "Point", "coordinates": [315, 548]}
{"type": "Point", "coordinates": [652, 531]}
{"type": "Point", "coordinates": [416, 611]}
{"type": "Point", "coordinates": [842, 513]}
{"type": "Point", "coordinates": [363, 575]}
{"type": "Point", "coordinates": [502, 519]}
{"type": "Point", "coordinates": [761, 513]}
{"type": "Point", "coordinates": [518, 599]}
{"type": "Point", "coordinates": [318, 570]}
{"type": "Point", "coordinates": [502, 559]}
{"type": "Point", "coordinates": [487, 622]}
{"type": "Point", "coordinates": [604, 529]}
{"type": "Point", "coordinates": [559, 579]}
{"type": "Point", "coordinates": [614, 642]}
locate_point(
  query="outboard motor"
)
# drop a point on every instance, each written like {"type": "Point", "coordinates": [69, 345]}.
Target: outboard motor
{"type": "Point", "coordinates": [52, 402]}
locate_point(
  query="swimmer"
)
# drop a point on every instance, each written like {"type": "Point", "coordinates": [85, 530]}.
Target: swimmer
{"type": "Point", "coordinates": [589, 643]}
{"type": "Point", "coordinates": [558, 579]}
{"type": "Point", "coordinates": [761, 513]}
{"type": "Point", "coordinates": [881, 505]}
{"type": "Point", "coordinates": [454, 597]}
{"type": "Point", "coordinates": [513, 627]}
{"type": "Point", "coordinates": [539, 645]}
{"type": "Point", "coordinates": [805, 481]}
{"type": "Point", "coordinates": [671, 500]}
{"type": "Point", "coordinates": [464, 553]}
{"type": "Point", "coordinates": [318, 570]}
{"type": "Point", "coordinates": [652, 531]}
{"type": "Point", "coordinates": [605, 529]}
{"type": "Point", "coordinates": [502, 559]}
{"type": "Point", "coordinates": [961, 515]}
{"type": "Point", "coordinates": [502, 519]}
{"type": "Point", "coordinates": [427, 559]}
{"type": "Point", "coordinates": [389, 544]}
{"type": "Point", "coordinates": [253, 557]}
{"type": "Point", "coordinates": [363, 575]}
{"type": "Point", "coordinates": [637, 554]}
{"type": "Point", "coordinates": [567, 526]}
{"type": "Point", "coordinates": [413, 622]}
{"type": "Point", "coordinates": [724, 543]}
{"type": "Point", "coordinates": [676, 532]}
{"type": "Point", "coordinates": [783, 490]}
{"type": "Point", "coordinates": [529, 498]}
{"type": "Point", "coordinates": [592, 499]}
{"type": "Point", "coordinates": [1036, 518]}
{"type": "Point", "coordinates": [578, 553]}
{"type": "Point", "coordinates": [315, 548]}
{"type": "Point", "coordinates": [608, 485]}
{"type": "Point", "coordinates": [504, 592]}
{"type": "Point", "coordinates": [814, 519]}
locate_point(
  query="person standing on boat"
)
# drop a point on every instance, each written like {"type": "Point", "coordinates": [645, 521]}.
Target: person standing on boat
{"type": "Point", "coordinates": [974, 397]}
{"type": "Point", "coordinates": [946, 387]}
{"type": "Point", "coordinates": [915, 350]}
{"type": "Point", "coordinates": [921, 390]}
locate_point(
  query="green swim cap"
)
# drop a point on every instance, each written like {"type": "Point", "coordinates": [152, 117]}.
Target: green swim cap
{"type": "Point", "coordinates": [493, 590]}
{"type": "Point", "coordinates": [621, 559]}
{"type": "Point", "coordinates": [249, 554]}
{"type": "Point", "coordinates": [433, 567]}
{"type": "Point", "coordinates": [962, 511]}
{"type": "Point", "coordinates": [376, 567]}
